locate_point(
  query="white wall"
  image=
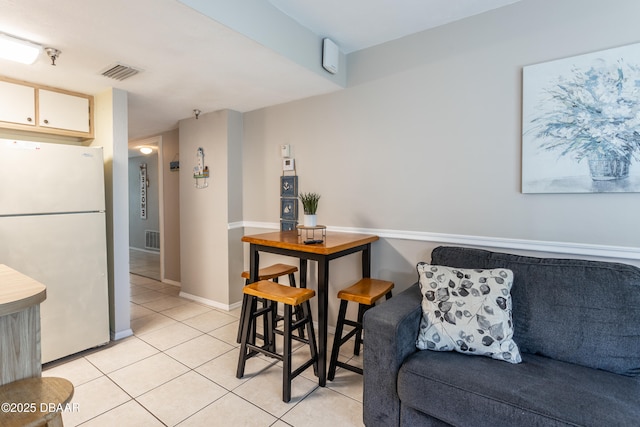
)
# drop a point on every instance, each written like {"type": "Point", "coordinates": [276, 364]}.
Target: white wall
{"type": "Point", "coordinates": [426, 141]}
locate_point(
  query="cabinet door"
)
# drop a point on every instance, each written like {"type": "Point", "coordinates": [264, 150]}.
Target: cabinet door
{"type": "Point", "coordinates": [17, 103]}
{"type": "Point", "coordinates": [63, 111]}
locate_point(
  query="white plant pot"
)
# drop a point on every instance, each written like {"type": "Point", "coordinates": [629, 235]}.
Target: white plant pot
{"type": "Point", "coordinates": [310, 220]}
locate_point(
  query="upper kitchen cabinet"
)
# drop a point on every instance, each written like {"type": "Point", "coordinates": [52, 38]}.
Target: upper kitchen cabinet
{"type": "Point", "coordinates": [17, 103]}
{"type": "Point", "coordinates": [64, 111]}
{"type": "Point", "coordinates": [36, 108]}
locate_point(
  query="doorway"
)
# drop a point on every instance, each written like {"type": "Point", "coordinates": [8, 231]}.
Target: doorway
{"type": "Point", "coordinates": [145, 223]}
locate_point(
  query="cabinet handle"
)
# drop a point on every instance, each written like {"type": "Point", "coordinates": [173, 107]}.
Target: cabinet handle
{"type": "Point", "coordinates": [46, 122]}
{"type": "Point", "coordinates": [29, 119]}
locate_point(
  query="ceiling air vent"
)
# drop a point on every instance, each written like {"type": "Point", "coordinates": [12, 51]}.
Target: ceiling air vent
{"type": "Point", "coordinates": [120, 72]}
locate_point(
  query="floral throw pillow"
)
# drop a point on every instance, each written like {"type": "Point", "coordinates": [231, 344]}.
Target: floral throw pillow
{"type": "Point", "coordinates": [468, 311]}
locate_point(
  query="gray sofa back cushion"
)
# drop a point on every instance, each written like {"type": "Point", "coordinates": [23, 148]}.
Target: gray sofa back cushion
{"type": "Point", "coordinates": [577, 311]}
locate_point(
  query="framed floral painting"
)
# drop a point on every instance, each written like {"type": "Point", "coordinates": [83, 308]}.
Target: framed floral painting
{"type": "Point", "coordinates": [581, 123]}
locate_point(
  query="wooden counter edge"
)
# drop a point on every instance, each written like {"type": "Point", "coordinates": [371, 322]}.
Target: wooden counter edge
{"type": "Point", "coordinates": [18, 291]}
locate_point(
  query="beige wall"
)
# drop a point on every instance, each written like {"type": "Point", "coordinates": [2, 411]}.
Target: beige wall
{"type": "Point", "coordinates": [111, 134]}
{"type": "Point", "coordinates": [426, 141]}
{"type": "Point", "coordinates": [171, 206]}
{"type": "Point", "coordinates": [208, 249]}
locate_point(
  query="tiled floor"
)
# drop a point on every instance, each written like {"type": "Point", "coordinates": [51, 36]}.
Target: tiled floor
{"type": "Point", "coordinates": [145, 263]}
{"type": "Point", "coordinates": [179, 369]}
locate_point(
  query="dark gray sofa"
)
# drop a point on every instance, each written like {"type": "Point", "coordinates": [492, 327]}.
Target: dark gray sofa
{"type": "Point", "coordinates": [577, 324]}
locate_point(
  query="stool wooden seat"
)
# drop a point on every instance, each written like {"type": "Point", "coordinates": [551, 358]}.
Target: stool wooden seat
{"type": "Point", "coordinates": [291, 298]}
{"type": "Point", "coordinates": [365, 292]}
{"type": "Point", "coordinates": [36, 402]}
{"type": "Point", "coordinates": [272, 272]}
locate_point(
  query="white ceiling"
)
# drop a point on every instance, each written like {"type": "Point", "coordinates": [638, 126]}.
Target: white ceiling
{"type": "Point", "coordinates": [191, 61]}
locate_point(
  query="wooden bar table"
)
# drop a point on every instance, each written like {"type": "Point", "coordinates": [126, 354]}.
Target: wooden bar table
{"type": "Point", "coordinates": [20, 298]}
{"type": "Point", "coordinates": [334, 245]}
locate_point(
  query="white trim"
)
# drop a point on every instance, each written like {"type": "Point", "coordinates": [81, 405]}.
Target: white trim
{"type": "Point", "coordinates": [171, 282]}
{"type": "Point", "coordinates": [148, 251]}
{"type": "Point", "coordinates": [606, 251]}
{"type": "Point", "coordinates": [208, 302]}
{"type": "Point", "coordinates": [254, 224]}
{"type": "Point", "coordinates": [115, 336]}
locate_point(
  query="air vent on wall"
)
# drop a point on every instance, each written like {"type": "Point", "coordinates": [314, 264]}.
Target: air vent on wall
{"type": "Point", "coordinates": [120, 72]}
{"type": "Point", "coordinates": [152, 239]}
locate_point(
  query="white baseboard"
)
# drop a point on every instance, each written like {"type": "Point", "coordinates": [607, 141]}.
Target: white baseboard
{"type": "Point", "coordinates": [209, 302]}
{"type": "Point", "coordinates": [144, 250]}
{"type": "Point", "coordinates": [171, 282]}
{"type": "Point", "coordinates": [605, 251]}
{"type": "Point", "coordinates": [115, 336]}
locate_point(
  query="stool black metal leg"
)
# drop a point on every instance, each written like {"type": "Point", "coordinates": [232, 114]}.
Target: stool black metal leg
{"type": "Point", "coordinates": [240, 324]}
{"type": "Point", "coordinates": [286, 356]}
{"type": "Point", "coordinates": [248, 304]}
{"type": "Point", "coordinates": [313, 347]}
{"type": "Point", "coordinates": [336, 340]}
{"type": "Point", "coordinates": [361, 309]}
{"type": "Point", "coordinates": [299, 314]}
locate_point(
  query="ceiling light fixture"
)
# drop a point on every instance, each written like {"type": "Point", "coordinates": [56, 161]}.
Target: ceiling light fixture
{"type": "Point", "coordinates": [53, 54]}
{"type": "Point", "coordinates": [146, 150]}
{"type": "Point", "coordinates": [18, 50]}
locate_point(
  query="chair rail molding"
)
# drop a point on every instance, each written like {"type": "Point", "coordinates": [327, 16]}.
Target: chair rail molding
{"type": "Point", "coordinates": [585, 249]}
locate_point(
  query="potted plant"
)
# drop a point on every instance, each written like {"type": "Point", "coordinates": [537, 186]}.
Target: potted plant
{"type": "Point", "coordinates": [310, 206]}
{"type": "Point", "coordinates": [594, 114]}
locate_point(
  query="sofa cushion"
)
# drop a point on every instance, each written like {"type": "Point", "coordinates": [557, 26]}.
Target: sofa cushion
{"type": "Point", "coordinates": [540, 391]}
{"type": "Point", "coordinates": [468, 311]}
{"type": "Point", "coordinates": [577, 311]}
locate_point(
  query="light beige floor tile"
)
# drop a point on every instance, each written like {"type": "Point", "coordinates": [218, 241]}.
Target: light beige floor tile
{"type": "Point", "coordinates": [265, 390]}
{"type": "Point", "coordinates": [280, 423]}
{"type": "Point", "coordinates": [94, 398]}
{"type": "Point", "coordinates": [181, 397]}
{"type": "Point", "coordinates": [233, 410]}
{"type": "Point", "coordinates": [121, 353]}
{"type": "Point", "coordinates": [164, 303]}
{"type": "Point", "coordinates": [235, 312]}
{"type": "Point", "coordinates": [222, 369]}
{"type": "Point", "coordinates": [172, 290]}
{"type": "Point", "coordinates": [135, 279]}
{"type": "Point", "coordinates": [199, 350]}
{"type": "Point", "coordinates": [168, 337]}
{"type": "Point", "coordinates": [348, 383]}
{"type": "Point", "coordinates": [78, 371]}
{"type": "Point", "coordinates": [130, 414]}
{"type": "Point", "coordinates": [150, 323]}
{"type": "Point", "coordinates": [137, 290]}
{"type": "Point", "coordinates": [209, 321]}
{"type": "Point", "coordinates": [336, 410]}
{"type": "Point", "coordinates": [145, 297]}
{"type": "Point", "coordinates": [142, 376]}
{"type": "Point", "coordinates": [186, 311]}
{"type": "Point", "coordinates": [227, 333]}
{"type": "Point", "coordinates": [138, 311]}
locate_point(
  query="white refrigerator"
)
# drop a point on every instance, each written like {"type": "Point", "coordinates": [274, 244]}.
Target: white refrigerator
{"type": "Point", "coordinates": [53, 229]}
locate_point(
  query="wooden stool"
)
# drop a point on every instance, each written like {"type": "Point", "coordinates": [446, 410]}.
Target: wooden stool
{"type": "Point", "coordinates": [365, 292]}
{"type": "Point", "coordinates": [34, 402]}
{"type": "Point", "coordinates": [290, 297]}
{"type": "Point", "coordinates": [273, 272]}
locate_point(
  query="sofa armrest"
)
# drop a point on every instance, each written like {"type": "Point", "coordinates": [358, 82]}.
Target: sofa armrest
{"type": "Point", "coordinates": [391, 329]}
